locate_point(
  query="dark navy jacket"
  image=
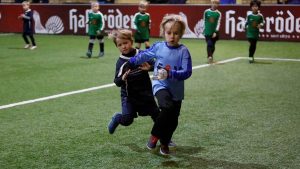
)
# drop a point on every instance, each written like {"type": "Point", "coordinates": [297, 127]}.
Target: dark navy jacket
{"type": "Point", "coordinates": [138, 87]}
{"type": "Point", "coordinates": [28, 22]}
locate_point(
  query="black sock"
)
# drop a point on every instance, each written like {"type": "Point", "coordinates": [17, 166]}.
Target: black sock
{"type": "Point", "coordinates": [101, 47]}
{"type": "Point", "coordinates": [25, 39]}
{"type": "Point", "coordinates": [91, 45]}
{"type": "Point", "coordinates": [147, 47]}
{"type": "Point", "coordinates": [32, 40]}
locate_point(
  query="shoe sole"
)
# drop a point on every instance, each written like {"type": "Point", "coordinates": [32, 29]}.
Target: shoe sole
{"type": "Point", "coordinates": [162, 153]}
{"type": "Point", "coordinates": [149, 148]}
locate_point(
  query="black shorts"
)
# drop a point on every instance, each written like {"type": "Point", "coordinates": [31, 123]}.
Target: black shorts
{"type": "Point", "coordinates": [141, 40]}
{"type": "Point", "coordinates": [96, 36]}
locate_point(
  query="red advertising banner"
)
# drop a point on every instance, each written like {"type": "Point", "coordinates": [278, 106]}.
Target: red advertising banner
{"type": "Point", "coordinates": [281, 22]}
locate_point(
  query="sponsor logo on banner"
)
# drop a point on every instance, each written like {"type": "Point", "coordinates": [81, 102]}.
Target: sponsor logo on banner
{"type": "Point", "coordinates": [54, 24]}
{"type": "Point", "coordinates": [276, 26]}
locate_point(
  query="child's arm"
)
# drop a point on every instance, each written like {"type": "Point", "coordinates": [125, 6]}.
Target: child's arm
{"type": "Point", "coordinates": [135, 21]}
{"type": "Point", "coordinates": [143, 56]}
{"type": "Point", "coordinates": [101, 23]}
{"type": "Point", "coordinates": [186, 68]}
{"type": "Point", "coordinates": [118, 74]}
{"type": "Point", "coordinates": [262, 22]}
{"type": "Point", "coordinates": [218, 23]}
{"type": "Point", "coordinates": [27, 16]}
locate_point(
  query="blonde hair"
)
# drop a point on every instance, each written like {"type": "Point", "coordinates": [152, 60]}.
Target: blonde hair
{"type": "Point", "coordinates": [176, 19]}
{"type": "Point", "coordinates": [215, 1]}
{"type": "Point", "coordinates": [143, 3]}
{"type": "Point", "coordinates": [124, 34]}
{"type": "Point", "coordinates": [94, 3]}
{"type": "Point", "coordinates": [26, 3]}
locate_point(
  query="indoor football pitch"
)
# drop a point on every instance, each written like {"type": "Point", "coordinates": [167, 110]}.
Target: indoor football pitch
{"type": "Point", "coordinates": [55, 105]}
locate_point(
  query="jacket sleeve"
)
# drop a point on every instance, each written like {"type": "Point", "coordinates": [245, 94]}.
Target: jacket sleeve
{"type": "Point", "coordinates": [144, 56]}
{"type": "Point", "coordinates": [101, 23]}
{"type": "Point", "coordinates": [28, 16]}
{"type": "Point", "coordinates": [118, 74]}
{"type": "Point", "coordinates": [186, 68]}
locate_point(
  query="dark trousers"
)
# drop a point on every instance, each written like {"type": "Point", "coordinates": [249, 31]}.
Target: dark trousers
{"type": "Point", "coordinates": [252, 47]}
{"type": "Point", "coordinates": [101, 43]}
{"type": "Point", "coordinates": [167, 120]}
{"type": "Point", "coordinates": [31, 38]}
{"type": "Point", "coordinates": [131, 110]}
{"type": "Point", "coordinates": [211, 42]}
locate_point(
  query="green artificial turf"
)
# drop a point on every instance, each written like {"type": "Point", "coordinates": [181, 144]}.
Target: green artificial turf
{"type": "Point", "coordinates": [235, 115]}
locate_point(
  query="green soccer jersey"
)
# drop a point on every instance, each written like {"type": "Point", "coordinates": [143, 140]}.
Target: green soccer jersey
{"type": "Point", "coordinates": [142, 26]}
{"type": "Point", "coordinates": [253, 20]}
{"type": "Point", "coordinates": [96, 23]}
{"type": "Point", "coordinates": [212, 21]}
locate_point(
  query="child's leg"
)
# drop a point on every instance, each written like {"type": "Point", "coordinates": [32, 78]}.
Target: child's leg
{"type": "Point", "coordinates": [210, 46]}
{"type": "Point", "coordinates": [214, 40]}
{"type": "Point", "coordinates": [252, 47]}
{"type": "Point", "coordinates": [32, 40]}
{"type": "Point", "coordinates": [125, 118]}
{"type": "Point", "coordinates": [167, 120]}
{"type": "Point", "coordinates": [91, 45]}
{"type": "Point", "coordinates": [147, 44]}
{"type": "Point", "coordinates": [137, 45]}
{"type": "Point", "coordinates": [25, 39]}
{"type": "Point", "coordinates": [101, 44]}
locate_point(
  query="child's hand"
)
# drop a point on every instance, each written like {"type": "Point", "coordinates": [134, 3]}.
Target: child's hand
{"type": "Point", "coordinates": [162, 74]}
{"type": "Point", "coordinates": [145, 66]}
{"type": "Point", "coordinates": [214, 35]}
{"type": "Point", "coordinates": [124, 77]}
{"type": "Point", "coordinates": [259, 26]}
{"type": "Point", "coordinates": [21, 16]}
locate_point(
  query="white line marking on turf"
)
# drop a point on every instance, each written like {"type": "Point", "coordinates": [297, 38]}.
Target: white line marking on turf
{"type": "Point", "coordinates": [112, 84]}
{"type": "Point", "coordinates": [277, 59]}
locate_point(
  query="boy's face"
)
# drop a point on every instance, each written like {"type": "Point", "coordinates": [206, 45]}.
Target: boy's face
{"type": "Point", "coordinates": [95, 8]}
{"type": "Point", "coordinates": [254, 8]}
{"type": "Point", "coordinates": [124, 45]}
{"type": "Point", "coordinates": [172, 33]}
{"type": "Point", "coordinates": [142, 8]}
{"type": "Point", "coordinates": [25, 7]}
{"type": "Point", "coordinates": [215, 4]}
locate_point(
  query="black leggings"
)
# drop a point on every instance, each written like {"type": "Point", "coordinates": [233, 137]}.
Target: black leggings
{"type": "Point", "coordinates": [31, 38]}
{"type": "Point", "coordinates": [211, 42]}
{"type": "Point", "coordinates": [252, 47]}
{"type": "Point", "coordinates": [167, 120]}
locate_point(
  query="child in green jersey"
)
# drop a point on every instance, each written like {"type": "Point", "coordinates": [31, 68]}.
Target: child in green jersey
{"type": "Point", "coordinates": [254, 22]}
{"type": "Point", "coordinates": [212, 21]}
{"type": "Point", "coordinates": [96, 26]}
{"type": "Point", "coordinates": [142, 25]}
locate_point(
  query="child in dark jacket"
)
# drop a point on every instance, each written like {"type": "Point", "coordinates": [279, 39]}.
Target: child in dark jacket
{"type": "Point", "coordinates": [28, 26]}
{"type": "Point", "coordinates": [136, 89]}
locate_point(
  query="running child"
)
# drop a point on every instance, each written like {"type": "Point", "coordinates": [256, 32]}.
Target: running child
{"type": "Point", "coordinates": [136, 90]}
{"type": "Point", "coordinates": [142, 25]}
{"type": "Point", "coordinates": [28, 26]}
{"type": "Point", "coordinates": [212, 21]}
{"type": "Point", "coordinates": [172, 66]}
{"type": "Point", "coordinates": [254, 22]}
{"type": "Point", "coordinates": [96, 26]}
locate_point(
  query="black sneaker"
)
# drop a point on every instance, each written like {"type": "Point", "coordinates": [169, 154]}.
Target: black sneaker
{"type": "Point", "coordinates": [210, 60]}
{"type": "Point", "coordinates": [172, 144]}
{"type": "Point", "coordinates": [251, 59]}
{"type": "Point", "coordinates": [164, 150]}
{"type": "Point", "coordinates": [89, 54]}
{"type": "Point", "coordinates": [101, 54]}
{"type": "Point", "coordinates": [152, 142]}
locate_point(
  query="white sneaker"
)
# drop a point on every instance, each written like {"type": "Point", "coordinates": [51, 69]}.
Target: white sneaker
{"type": "Point", "coordinates": [33, 47]}
{"type": "Point", "coordinates": [26, 46]}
